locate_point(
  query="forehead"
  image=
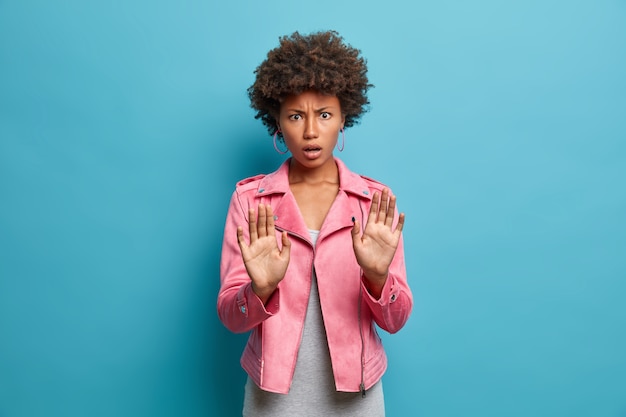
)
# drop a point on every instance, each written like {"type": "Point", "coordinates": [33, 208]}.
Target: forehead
{"type": "Point", "coordinates": [309, 99]}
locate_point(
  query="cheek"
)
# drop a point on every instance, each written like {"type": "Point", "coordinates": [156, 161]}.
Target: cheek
{"type": "Point", "coordinates": [288, 138]}
{"type": "Point", "coordinates": [288, 132]}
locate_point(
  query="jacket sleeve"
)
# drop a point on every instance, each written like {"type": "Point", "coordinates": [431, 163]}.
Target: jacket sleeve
{"type": "Point", "coordinates": [391, 311]}
{"type": "Point", "coordinates": [238, 307]}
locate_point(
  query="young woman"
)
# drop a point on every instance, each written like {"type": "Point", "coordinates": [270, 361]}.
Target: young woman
{"type": "Point", "coordinates": [313, 257]}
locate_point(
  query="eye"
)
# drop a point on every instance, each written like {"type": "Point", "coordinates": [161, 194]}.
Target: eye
{"type": "Point", "coordinates": [295, 117]}
{"type": "Point", "coordinates": [325, 115]}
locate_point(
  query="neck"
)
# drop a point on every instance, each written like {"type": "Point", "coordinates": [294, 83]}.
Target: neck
{"type": "Point", "coordinates": [327, 173]}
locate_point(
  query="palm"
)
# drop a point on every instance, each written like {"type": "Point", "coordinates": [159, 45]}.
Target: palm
{"type": "Point", "coordinates": [265, 262]}
{"type": "Point", "coordinates": [375, 249]}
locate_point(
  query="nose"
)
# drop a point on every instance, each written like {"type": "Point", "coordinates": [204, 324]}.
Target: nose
{"type": "Point", "coordinates": [310, 128]}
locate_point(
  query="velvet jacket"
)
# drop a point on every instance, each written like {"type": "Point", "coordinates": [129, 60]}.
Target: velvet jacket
{"type": "Point", "coordinates": [349, 311]}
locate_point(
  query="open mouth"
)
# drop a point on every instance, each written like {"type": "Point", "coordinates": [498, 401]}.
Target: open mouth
{"type": "Point", "coordinates": [312, 151]}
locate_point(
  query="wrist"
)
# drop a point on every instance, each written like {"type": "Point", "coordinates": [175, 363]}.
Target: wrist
{"type": "Point", "coordinates": [264, 293]}
{"type": "Point", "coordinates": [374, 283]}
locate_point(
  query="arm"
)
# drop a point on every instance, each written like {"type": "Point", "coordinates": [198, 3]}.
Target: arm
{"type": "Point", "coordinates": [250, 273]}
{"type": "Point", "coordinates": [392, 308]}
{"type": "Point", "coordinates": [380, 254]}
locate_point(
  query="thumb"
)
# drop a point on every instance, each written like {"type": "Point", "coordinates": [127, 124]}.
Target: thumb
{"type": "Point", "coordinates": [356, 229]}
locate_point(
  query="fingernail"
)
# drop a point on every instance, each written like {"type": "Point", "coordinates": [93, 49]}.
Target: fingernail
{"type": "Point", "coordinates": [353, 219]}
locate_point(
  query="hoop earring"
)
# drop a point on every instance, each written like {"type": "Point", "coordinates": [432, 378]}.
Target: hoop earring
{"type": "Point", "coordinates": [276, 147]}
{"type": "Point", "coordinates": [343, 141]}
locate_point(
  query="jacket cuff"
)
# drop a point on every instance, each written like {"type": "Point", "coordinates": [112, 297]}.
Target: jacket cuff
{"type": "Point", "coordinates": [389, 293]}
{"type": "Point", "coordinates": [250, 305]}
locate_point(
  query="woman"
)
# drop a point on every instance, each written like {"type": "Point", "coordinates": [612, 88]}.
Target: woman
{"type": "Point", "coordinates": [312, 256]}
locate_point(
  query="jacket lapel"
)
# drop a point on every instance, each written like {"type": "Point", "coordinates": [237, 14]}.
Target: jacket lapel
{"type": "Point", "coordinates": [340, 214]}
{"type": "Point", "coordinates": [287, 215]}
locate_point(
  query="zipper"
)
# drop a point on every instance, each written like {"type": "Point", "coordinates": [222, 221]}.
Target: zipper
{"type": "Point", "coordinates": [362, 386]}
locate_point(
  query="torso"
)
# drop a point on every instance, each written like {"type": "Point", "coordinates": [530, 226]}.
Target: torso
{"type": "Point", "coordinates": [312, 390]}
{"type": "Point", "coordinates": [315, 191]}
{"type": "Point", "coordinates": [314, 201]}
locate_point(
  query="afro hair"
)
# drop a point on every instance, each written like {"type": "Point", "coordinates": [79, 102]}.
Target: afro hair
{"type": "Point", "coordinates": [319, 61]}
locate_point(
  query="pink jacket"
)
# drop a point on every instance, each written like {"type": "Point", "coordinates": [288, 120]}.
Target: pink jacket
{"type": "Point", "coordinates": [357, 355]}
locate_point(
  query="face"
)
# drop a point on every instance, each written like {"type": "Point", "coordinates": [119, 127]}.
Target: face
{"type": "Point", "coordinates": [310, 123]}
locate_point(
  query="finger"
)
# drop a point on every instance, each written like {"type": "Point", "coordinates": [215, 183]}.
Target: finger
{"type": "Point", "coordinates": [400, 224]}
{"type": "Point", "coordinates": [284, 253]}
{"type": "Point", "coordinates": [391, 211]}
{"type": "Point", "coordinates": [243, 247]}
{"type": "Point", "coordinates": [356, 238]}
{"type": "Point", "coordinates": [356, 228]}
{"type": "Point", "coordinates": [382, 210]}
{"type": "Point", "coordinates": [262, 226]}
{"type": "Point", "coordinates": [240, 238]}
{"type": "Point", "coordinates": [374, 208]}
{"type": "Point", "coordinates": [270, 220]}
{"type": "Point", "coordinates": [252, 225]}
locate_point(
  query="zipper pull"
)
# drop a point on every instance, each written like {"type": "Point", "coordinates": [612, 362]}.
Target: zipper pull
{"type": "Point", "coordinates": [362, 390]}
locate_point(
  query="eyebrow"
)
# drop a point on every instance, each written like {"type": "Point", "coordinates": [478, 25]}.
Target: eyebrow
{"type": "Point", "coordinates": [321, 109]}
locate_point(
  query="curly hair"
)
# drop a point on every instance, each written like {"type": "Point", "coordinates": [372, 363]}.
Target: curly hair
{"type": "Point", "coordinates": [319, 61]}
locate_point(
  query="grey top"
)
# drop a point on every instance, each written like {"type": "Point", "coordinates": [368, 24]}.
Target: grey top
{"type": "Point", "coordinates": [312, 391]}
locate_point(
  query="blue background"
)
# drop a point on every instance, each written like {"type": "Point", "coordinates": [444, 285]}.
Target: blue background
{"type": "Point", "coordinates": [124, 126]}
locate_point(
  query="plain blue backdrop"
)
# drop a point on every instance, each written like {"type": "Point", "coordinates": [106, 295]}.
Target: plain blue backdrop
{"type": "Point", "coordinates": [500, 126]}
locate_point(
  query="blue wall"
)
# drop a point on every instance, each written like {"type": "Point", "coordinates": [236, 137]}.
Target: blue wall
{"type": "Point", "coordinates": [501, 126]}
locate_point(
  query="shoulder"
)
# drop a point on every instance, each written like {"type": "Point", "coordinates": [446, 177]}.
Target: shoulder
{"type": "Point", "coordinates": [247, 189]}
{"type": "Point", "coordinates": [250, 183]}
{"type": "Point", "coordinates": [358, 184]}
{"type": "Point", "coordinates": [274, 182]}
{"type": "Point", "coordinates": [244, 193]}
{"type": "Point", "coordinates": [373, 184]}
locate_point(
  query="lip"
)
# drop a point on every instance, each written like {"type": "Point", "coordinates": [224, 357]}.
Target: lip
{"type": "Point", "coordinates": [312, 151]}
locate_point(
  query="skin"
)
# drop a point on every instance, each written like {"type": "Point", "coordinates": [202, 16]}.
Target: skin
{"type": "Point", "coordinates": [310, 123]}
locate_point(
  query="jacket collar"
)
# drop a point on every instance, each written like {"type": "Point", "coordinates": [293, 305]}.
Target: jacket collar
{"type": "Point", "coordinates": [341, 212]}
{"type": "Point", "coordinates": [278, 181]}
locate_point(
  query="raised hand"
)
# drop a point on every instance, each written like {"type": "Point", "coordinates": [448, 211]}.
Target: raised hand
{"type": "Point", "coordinates": [265, 263]}
{"type": "Point", "coordinates": [375, 249]}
